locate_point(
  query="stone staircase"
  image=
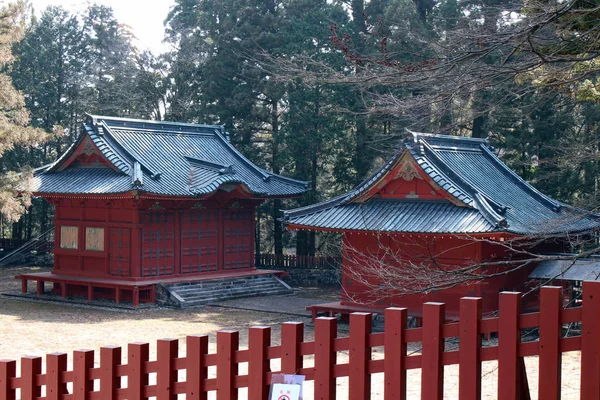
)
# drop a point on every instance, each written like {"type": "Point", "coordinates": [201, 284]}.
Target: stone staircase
{"type": "Point", "coordinates": [191, 294]}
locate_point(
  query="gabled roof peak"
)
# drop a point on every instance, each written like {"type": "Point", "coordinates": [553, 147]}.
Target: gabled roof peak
{"type": "Point", "coordinates": [153, 127]}
{"type": "Point", "coordinates": [437, 140]}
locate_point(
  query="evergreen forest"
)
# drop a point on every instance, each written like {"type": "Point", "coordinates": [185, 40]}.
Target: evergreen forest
{"type": "Point", "coordinates": [317, 90]}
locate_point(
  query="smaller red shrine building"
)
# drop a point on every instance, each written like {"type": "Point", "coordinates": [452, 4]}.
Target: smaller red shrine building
{"type": "Point", "coordinates": [442, 204]}
{"type": "Point", "coordinates": [142, 202]}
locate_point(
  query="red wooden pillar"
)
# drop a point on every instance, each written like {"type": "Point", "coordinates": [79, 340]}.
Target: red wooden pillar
{"type": "Point", "coordinates": [137, 379]}
{"type": "Point", "coordinates": [118, 295]}
{"type": "Point", "coordinates": [31, 367]}
{"type": "Point", "coordinates": [196, 370]}
{"type": "Point", "coordinates": [39, 287]}
{"type": "Point", "coordinates": [509, 338]}
{"type": "Point", "coordinates": [56, 364]}
{"type": "Point", "coordinates": [432, 368]}
{"type": "Point", "coordinates": [221, 241]}
{"type": "Point", "coordinates": [8, 371]}
{"type": "Point", "coordinates": [550, 333]}
{"type": "Point", "coordinates": [259, 340]}
{"type": "Point", "coordinates": [63, 289]}
{"type": "Point", "coordinates": [83, 361]}
{"type": "Point", "coordinates": [23, 285]}
{"type": "Point", "coordinates": [590, 341]}
{"type": "Point", "coordinates": [325, 358]}
{"type": "Point", "coordinates": [90, 292]}
{"type": "Point", "coordinates": [292, 335]}
{"type": "Point", "coordinates": [227, 369]}
{"type": "Point", "coordinates": [395, 351]}
{"type": "Point", "coordinates": [469, 375]}
{"type": "Point", "coordinates": [136, 296]}
{"type": "Point", "coordinates": [166, 375]}
{"type": "Point", "coordinates": [177, 243]}
{"type": "Point", "coordinates": [136, 243]}
{"type": "Point", "coordinates": [359, 377]}
{"type": "Point", "coordinates": [110, 359]}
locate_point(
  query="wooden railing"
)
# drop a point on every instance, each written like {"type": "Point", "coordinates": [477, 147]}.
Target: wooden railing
{"type": "Point", "coordinates": [164, 377]}
{"type": "Point", "coordinates": [297, 261]}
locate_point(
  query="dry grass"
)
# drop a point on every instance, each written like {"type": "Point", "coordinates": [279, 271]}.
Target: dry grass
{"type": "Point", "coordinates": [33, 328]}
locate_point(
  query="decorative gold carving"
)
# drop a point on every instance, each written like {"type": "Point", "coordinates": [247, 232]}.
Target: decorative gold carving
{"type": "Point", "coordinates": [157, 206]}
{"type": "Point", "coordinates": [408, 172]}
{"type": "Point", "coordinates": [198, 206]}
{"type": "Point", "coordinates": [236, 204]}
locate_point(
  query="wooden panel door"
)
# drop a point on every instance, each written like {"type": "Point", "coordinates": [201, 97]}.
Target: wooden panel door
{"type": "Point", "coordinates": [158, 243]}
{"type": "Point", "coordinates": [199, 241]}
{"type": "Point", "coordinates": [238, 247]}
{"type": "Point", "coordinates": [120, 251]}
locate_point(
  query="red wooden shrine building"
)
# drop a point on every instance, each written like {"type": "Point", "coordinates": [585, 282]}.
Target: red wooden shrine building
{"type": "Point", "coordinates": [141, 202]}
{"type": "Point", "coordinates": [442, 203]}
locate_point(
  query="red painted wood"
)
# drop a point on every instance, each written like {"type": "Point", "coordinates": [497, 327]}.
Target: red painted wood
{"type": "Point", "coordinates": [259, 339]}
{"type": "Point", "coordinates": [8, 371]}
{"type": "Point", "coordinates": [292, 335]}
{"type": "Point", "coordinates": [227, 369]}
{"type": "Point", "coordinates": [196, 370]}
{"type": "Point", "coordinates": [56, 364]}
{"type": "Point", "coordinates": [395, 351]}
{"type": "Point", "coordinates": [31, 367]}
{"type": "Point", "coordinates": [137, 356]}
{"type": "Point", "coordinates": [83, 361]}
{"type": "Point", "coordinates": [432, 375]}
{"type": "Point", "coordinates": [550, 333]}
{"type": "Point", "coordinates": [590, 341]}
{"type": "Point", "coordinates": [238, 252]}
{"type": "Point", "coordinates": [509, 337]}
{"type": "Point", "coordinates": [469, 375]}
{"type": "Point", "coordinates": [359, 379]}
{"type": "Point", "coordinates": [199, 237]}
{"type": "Point", "coordinates": [166, 376]}
{"type": "Point", "coordinates": [23, 285]}
{"type": "Point", "coordinates": [39, 288]}
{"type": "Point", "coordinates": [110, 359]}
{"type": "Point", "coordinates": [325, 358]}
{"type": "Point", "coordinates": [90, 293]}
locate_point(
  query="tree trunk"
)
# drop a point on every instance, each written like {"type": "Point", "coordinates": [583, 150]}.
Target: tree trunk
{"type": "Point", "coordinates": [278, 229]}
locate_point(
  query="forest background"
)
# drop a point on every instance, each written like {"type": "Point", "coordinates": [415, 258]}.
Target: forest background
{"type": "Point", "coordinates": [322, 90]}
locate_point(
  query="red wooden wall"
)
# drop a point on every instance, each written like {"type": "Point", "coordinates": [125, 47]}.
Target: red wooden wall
{"type": "Point", "coordinates": [147, 238]}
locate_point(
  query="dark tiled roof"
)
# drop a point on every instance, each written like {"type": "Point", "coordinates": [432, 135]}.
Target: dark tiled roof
{"type": "Point", "coordinates": [584, 269]}
{"type": "Point", "coordinates": [490, 197]}
{"type": "Point", "coordinates": [171, 158]}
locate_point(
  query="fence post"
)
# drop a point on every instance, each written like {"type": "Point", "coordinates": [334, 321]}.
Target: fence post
{"type": "Point", "coordinates": [509, 337]}
{"type": "Point", "coordinates": [8, 370]}
{"type": "Point", "coordinates": [110, 358]}
{"type": "Point", "coordinates": [227, 368]}
{"type": "Point", "coordinates": [259, 340]}
{"type": "Point", "coordinates": [359, 378]}
{"type": "Point", "coordinates": [83, 361]}
{"type": "Point", "coordinates": [590, 341]}
{"type": "Point", "coordinates": [432, 369]}
{"type": "Point", "coordinates": [166, 375]}
{"type": "Point", "coordinates": [137, 355]}
{"type": "Point", "coordinates": [292, 334]}
{"type": "Point", "coordinates": [550, 333]}
{"type": "Point", "coordinates": [325, 358]}
{"type": "Point", "coordinates": [56, 364]}
{"type": "Point", "coordinates": [196, 371]}
{"type": "Point", "coordinates": [395, 351]}
{"type": "Point", "coordinates": [469, 375]}
{"type": "Point", "coordinates": [30, 367]}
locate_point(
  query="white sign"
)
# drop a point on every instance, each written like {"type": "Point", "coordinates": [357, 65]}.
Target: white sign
{"type": "Point", "coordinates": [286, 387]}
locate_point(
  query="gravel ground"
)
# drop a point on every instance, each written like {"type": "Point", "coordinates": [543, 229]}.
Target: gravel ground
{"type": "Point", "coordinates": [37, 328]}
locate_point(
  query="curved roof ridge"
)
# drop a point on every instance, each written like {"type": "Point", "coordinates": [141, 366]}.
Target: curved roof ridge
{"type": "Point", "coordinates": [95, 118]}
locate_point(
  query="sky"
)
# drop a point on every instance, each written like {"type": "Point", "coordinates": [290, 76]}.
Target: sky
{"type": "Point", "coordinates": [145, 17]}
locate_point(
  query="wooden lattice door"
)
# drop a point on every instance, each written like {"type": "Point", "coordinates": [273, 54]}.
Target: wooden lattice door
{"type": "Point", "coordinates": [158, 244]}
{"type": "Point", "coordinates": [238, 245]}
{"type": "Point", "coordinates": [199, 241]}
{"type": "Point", "coordinates": [120, 250]}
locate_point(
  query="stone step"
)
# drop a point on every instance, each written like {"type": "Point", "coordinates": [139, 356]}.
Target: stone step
{"type": "Point", "coordinates": [183, 292]}
{"type": "Point", "coordinates": [224, 295]}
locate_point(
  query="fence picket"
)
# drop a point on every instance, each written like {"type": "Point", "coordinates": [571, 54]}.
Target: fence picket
{"type": "Point", "coordinates": [8, 370]}
{"type": "Point", "coordinates": [590, 341]}
{"type": "Point", "coordinates": [359, 379]}
{"type": "Point", "coordinates": [469, 375]}
{"type": "Point", "coordinates": [83, 361]}
{"type": "Point", "coordinates": [432, 369]}
{"type": "Point", "coordinates": [550, 333]}
{"type": "Point", "coordinates": [110, 358]}
{"type": "Point", "coordinates": [166, 376]}
{"type": "Point", "coordinates": [227, 368]}
{"type": "Point", "coordinates": [196, 370]}
{"type": "Point", "coordinates": [259, 339]}
{"type": "Point", "coordinates": [292, 335]}
{"type": "Point", "coordinates": [509, 337]}
{"type": "Point", "coordinates": [137, 379]}
{"type": "Point", "coordinates": [325, 357]}
{"type": "Point", "coordinates": [56, 364]}
{"type": "Point", "coordinates": [395, 351]}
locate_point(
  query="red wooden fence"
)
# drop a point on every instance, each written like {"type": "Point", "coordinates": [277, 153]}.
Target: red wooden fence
{"type": "Point", "coordinates": [106, 380]}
